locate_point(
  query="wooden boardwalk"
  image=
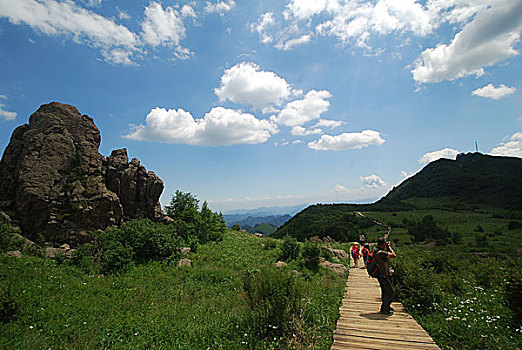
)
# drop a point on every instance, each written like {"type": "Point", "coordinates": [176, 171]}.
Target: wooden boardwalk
{"type": "Point", "coordinates": [361, 326]}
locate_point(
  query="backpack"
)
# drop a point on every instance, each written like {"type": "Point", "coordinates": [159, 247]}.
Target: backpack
{"type": "Point", "coordinates": [355, 253]}
{"type": "Point", "coordinates": [371, 266]}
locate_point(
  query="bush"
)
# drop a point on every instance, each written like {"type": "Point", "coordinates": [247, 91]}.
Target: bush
{"type": "Point", "coordinates": [311, 254]}
{"type": "Point", "coordinates": [135, 241]}
{"type": "Point", "coordinates": [290, 249]}
{"type": "Point", "coordinates": [274, 299]}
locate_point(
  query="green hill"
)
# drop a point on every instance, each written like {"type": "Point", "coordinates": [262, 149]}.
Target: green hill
{"type": "Point", "coordinates": [472, 181]}
{"type": "Point", "coordinates": [472, 178]}
{"type": "Point", "coordinates": [264, 228]}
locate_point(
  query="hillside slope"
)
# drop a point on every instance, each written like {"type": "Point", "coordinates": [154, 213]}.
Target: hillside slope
{"type": "Point", "coordinates": [473, 178]}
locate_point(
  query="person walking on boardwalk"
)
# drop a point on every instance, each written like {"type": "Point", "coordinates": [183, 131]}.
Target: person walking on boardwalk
{"type": "Point", "coordinates": [365, 252]}
{"type": "Point", "coordinates": [355, 255]}
{"type": "Point", "coordinates": [383, 253]}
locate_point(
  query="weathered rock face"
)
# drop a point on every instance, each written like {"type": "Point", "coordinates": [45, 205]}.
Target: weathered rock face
{"type": "Point", "coordinates": [54, 182]}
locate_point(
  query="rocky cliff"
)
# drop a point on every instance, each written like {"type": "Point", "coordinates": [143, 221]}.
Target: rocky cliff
{"type": "Point", "coordinates": [55, 183]}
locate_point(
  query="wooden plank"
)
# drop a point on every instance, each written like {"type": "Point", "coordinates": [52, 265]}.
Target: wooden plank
{"type": "Point", "coordinates": [373, 343]}
{"type": "Point", "coordinates": [370, 329]}
{"type": "Point", "coordinates": [383, 334]}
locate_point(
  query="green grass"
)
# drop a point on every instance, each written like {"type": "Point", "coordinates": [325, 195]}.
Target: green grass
{"type": "Point", "coordinates": [499, 238]}
{"type": "Point", "coordinates": [156, 305]}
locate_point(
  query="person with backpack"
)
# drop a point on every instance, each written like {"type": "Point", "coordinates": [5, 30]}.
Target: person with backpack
{"type": "Point", "coordinates": [382, 255]}
{"type": "Point", "coordinates": [355, 255]}
{"type": "Point", "coordinates": [365, 252]}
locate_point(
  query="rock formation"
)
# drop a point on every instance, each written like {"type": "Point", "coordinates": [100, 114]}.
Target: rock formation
{"type": "Point", "coordinates": [54, 183]}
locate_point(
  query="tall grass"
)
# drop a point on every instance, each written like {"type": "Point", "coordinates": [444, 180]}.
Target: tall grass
{"type": "Point", "coordinates": [156, 305]}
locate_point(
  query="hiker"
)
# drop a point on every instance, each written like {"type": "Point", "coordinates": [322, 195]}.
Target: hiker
{"type": "Point", "coordinates": [365, 252]}
{"type": "Point", "coordinates": [383, 252]}
{"type": "Point", "coordinates": [362, 239]}
{"type": "Point", "coordinates": [355, 255]}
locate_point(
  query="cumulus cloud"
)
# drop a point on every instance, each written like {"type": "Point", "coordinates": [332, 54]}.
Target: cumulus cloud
{"type": "Point", "coordinates": [220, 6]}
{"type": "Point", "coordinates": [164, 27]}
{"type": "Point", "coordinates": [245, 84]}
{"type": "Point", "coordinates": [291, 43]}
{"type": "Point", "coordinates": [373, 181]}
{"type": "Point", "coordinates": [347, 141]}
{"type": "Point", "coordinates": [449, 153]}
{"type": "Point", "coordinates": [341, 189]}
{"type": "Point", "coordinates": [325, 123]}
{"type": "Point", "coordinates": [262, 26]}
{"type": "Point", "coordinates": [53, 17]}
{"type": "Point", "coordinates": [490, 38]}
{"type": "Point", "coordinates": [300, 131]}
{"type": "Point", "coordinates": [490, 91]}
{"type": "Point", "coordinates": [117, 44]}
{"type": "Point", "coordinates": [6, 115]}
{"type": "Point", "coordinates": [188, 11]}
{"type": "Point", "coordinates": [299, 112]}
{"type": "Point", "coordinates": [219, 127]}
{"type": "Point", "coordinates": [510, 148]}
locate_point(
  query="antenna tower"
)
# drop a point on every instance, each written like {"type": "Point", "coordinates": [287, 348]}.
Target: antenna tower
{"type": "Point", "coordinates": [476, 146]}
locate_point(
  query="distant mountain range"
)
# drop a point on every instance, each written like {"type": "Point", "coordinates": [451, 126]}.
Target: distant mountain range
{"type": "Point", "coordinates": [251, 221]}
{"type": "Point", "coordinates": [472, 181]}
{"type": "Point", "coordinates": [265, 211]}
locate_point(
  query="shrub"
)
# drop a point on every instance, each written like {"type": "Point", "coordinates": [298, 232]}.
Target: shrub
{"type": "Point", "coordinates": [290, 249]}
{"type": "Point", "coordinates": [274, 299]}
{"type": "Point", "coordinates": [327, 254]}
{"type": "Point", "coordinates": [311, 254]}
{"type": "Point", "coordinates": [235, 227]}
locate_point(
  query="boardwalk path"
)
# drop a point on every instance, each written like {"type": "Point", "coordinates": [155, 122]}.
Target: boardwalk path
{"type": "Point", "coordinates": [361, 326]}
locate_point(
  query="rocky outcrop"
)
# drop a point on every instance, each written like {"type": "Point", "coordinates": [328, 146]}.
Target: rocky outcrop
{"type": "Point", "coordinates": [55, 183]}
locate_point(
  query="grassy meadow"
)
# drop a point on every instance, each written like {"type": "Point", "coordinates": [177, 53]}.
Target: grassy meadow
{"type": "Point", "coordinates": [52, 304]}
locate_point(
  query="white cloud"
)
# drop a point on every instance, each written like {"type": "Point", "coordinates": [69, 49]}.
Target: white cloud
{"type": "Point", "coordinates": [302, 111]}
{"type": "Point", "coordinates": [347, 141]}
{"type": "Point", "coordinates": [55, 18]}
{"type": "Point", "coordinates": [490, 38]}
{"type": "Point", "coordinates": [122, 14]}
{"type": "Point", "coordinates": [219, 127]}
{"type": "Point", "coordinates": [373, 181]}
{"type": "Point", "coordinates": [341, 189]}
{"type": "Point", "coordinates": [220, 6]}
{"type": "Point", "coordinates": [245, 84]}
{"type": "Point", "coordinates": [511, 148]}
{"type": "Point", "coordinates": [325, 123]}
{"type": "Point", "coordinates": [300, 131]}
{"type": "Point", "coordinates": [290, 44]}
{"type": "Point", "coordinates": [355, 21]}
{"type": "Point", "coordinates": [262, 27]}
{"type": "Point", "coordinates": [92, 3]}
{"type": "Point", "coordinates": [406, 175]}
{"type": "Point", "coordinates": [164, 28]}
{"type": "Point", "coordinates": [490, 91]}
{"type": "Point", "coordinates": [6, 114]}
{"type": "Point", "coordinates": [449, 153]}
{"type": "Point", "coordinates": [188, 11]}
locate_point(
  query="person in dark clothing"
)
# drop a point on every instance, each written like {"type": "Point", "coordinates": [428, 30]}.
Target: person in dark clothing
{"type": "Point", "coordinates": [383, 253]}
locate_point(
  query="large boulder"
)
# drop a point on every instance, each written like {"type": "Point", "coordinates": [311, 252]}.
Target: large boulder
{"type": "Point", "coordinates": [55, 183]}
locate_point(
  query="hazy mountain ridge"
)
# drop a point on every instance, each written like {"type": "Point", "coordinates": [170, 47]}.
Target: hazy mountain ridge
{"type": "Point", "coordinates": [251, 221]}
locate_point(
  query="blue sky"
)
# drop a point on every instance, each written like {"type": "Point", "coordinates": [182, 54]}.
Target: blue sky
{"type": "Point", "coordinates": [272, 103]}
